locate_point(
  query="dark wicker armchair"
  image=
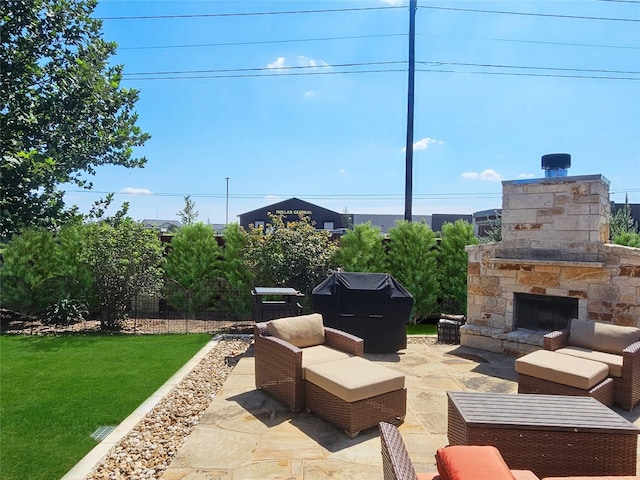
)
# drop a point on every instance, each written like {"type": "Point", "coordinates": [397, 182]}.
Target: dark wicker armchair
{"type": "Point", "coordinates": [396, 464]}
{"type": "Point", "coordinates": [627, 386]}
{"type": "Point", "coordinates": [279, 364]}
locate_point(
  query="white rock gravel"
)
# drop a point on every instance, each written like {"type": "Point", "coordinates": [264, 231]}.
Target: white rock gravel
{"type": "Point", "coordinates": [149, 448]}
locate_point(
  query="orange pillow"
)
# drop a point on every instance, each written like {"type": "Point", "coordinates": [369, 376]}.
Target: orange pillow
{"type": "Point", "coordinates": [472, 462]}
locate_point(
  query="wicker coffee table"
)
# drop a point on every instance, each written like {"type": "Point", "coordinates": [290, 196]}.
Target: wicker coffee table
{"type": "Point", "coordinates": [553, 435]}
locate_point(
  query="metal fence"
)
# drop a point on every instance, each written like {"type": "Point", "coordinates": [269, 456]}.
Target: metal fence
{"type": "Point", "coordinates": [223, 310]}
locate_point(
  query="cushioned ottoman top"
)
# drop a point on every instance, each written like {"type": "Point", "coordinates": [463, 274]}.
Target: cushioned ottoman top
{"type": "Point", "coordinates": [564, 369]}
{"type": "Point", "coordinates": [354, 378]}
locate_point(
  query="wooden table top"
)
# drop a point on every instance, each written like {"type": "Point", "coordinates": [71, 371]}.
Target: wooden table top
{"type": "Point", "coordinates": [539, 412]}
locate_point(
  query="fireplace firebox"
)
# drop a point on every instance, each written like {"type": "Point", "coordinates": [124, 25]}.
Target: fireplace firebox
{"type": "Point", "coordinates": [543, 312]}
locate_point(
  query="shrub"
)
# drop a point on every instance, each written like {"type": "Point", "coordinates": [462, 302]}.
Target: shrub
{"type": "Point", "coordinates": [126, 261]}
{"type": "Point", "coordinates": [361, 250]}
{"type": "Point", "coordinates": [30, 264]}
{"type": "Point", "coordinates": [452, 262]}
{"type": "Point", "coordinates": [193, 265]}
{"type": "Point", "coordinates": [236, 272]}
{"type": "Point", "coordinates": [294, 255]}
{"type": "Point", "coordinates": [411, 259]}
{"type": "Point", "coordinates": [66, 311]}
{"type": "Point", "coordinates": [628, 239]}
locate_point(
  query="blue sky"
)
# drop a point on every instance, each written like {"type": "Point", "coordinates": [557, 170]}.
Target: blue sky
{"type": "Point", "coordinates": [482, 113]}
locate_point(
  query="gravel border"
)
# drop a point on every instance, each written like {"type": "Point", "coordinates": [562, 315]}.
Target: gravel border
{"type": "Point", "coordinates": [148, 449]}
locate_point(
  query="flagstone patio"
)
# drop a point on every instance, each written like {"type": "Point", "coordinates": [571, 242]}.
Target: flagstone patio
{"type": "Point", "coordinates": [245, 434]}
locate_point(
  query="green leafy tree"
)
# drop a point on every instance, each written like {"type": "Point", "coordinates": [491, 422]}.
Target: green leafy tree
{"type": "Point", "coordinates": [192, 268]}
{"type": "Point", "coordinates": [411, 258]}
{"type": "Point", "coordinates": [622, 221]}
{"type": "Point", "coordinates": [295, 254]}
{"type": "Point", "coordinates": [361, 250]}
{"type": "Point", "coordinates": [452, 262]}
{"type": "Point", "coordinates": [126, 261]}
{"type": "Point", "coordinates": [237, 274]}
{"type": "Point", "coordinates": [62, 110]}
{"type": "Point", "coordinates": [188, 215]}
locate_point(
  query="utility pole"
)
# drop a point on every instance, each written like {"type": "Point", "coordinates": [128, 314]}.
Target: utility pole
{"type": "Point", "coordinates": [408, 190]}
{"type": "Point", "coordinates": [226, 222]}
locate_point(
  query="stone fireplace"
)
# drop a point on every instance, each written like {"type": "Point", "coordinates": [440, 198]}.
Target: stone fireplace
{"type": "Point", "coordinates": [553, 263]}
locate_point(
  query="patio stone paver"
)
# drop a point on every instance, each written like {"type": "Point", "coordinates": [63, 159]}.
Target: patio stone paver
{"type": "Point", "coordinates": [245, 434]}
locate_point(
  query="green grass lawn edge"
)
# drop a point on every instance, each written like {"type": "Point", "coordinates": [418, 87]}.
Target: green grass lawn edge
{"type": "Point", "coordinates": [57, 390]}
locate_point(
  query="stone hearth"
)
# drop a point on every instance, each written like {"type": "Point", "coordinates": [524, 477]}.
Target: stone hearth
{"type": "Point", "coordinates": [555, 233]}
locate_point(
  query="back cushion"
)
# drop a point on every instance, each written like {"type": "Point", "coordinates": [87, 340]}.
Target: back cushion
{"type": "Point", "coordinates": [301, 331]}
{"type": "Point", "coordinates": [601, 336]}
{"type": "Point", "coordinates": [472, 462]}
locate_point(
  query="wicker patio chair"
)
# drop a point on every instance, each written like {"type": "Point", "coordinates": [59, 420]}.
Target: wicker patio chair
{"type": "Point", "coordinates": [279, 364]}
{"type": "Point", "coordinates": [396, 464]}
{"type": "Point", "coordinates": [627, 386]}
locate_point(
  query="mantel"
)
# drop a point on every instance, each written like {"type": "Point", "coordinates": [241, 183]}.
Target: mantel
{"type": "Point", "coordinates": [563, 263]}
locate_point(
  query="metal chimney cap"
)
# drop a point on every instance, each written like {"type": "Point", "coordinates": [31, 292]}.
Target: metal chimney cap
{"type": "Point", "coordinates": [556, 161]}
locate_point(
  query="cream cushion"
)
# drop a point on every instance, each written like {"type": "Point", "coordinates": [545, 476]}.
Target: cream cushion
{"type": "Point", "coordinates": [601, 336]}
{"type": "Point", "coordinates": [354, 378]}
{"type": "Point", "coordinates": [320, 354]}
{"type": "Point", "coordinates": [564, 369]}
{"type": "Point", "coordinates": [614, 362]}
{"type": "Point", "coordinates": [301, 331]}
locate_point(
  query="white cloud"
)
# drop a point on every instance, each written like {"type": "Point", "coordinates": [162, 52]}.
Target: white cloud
{"type": "Point", "coordinates": [310, 93]}
{"type": "Point", "coordinates": [488, 175]}
{"type": "Point", "coordinates": [281, 64]}
{"type": "Point", "coordinates": [392, 2]}
{"type": "Point", "coordinates": [136, 191]}
{"type": "Point", "coordinates": [277, 63]}
{"type": "Point", "coordinates": [272, 197]}
{"type": "Point", "coordinates": [423, 144]}
{"type": "Point", "coordinates": [491, 175]}
{"type": "Point", "coordinates": [342, 170]}
{"type": "Point", "coordinates": [526, 175]}
{"type": "Point", "coordinates": [310, 62]}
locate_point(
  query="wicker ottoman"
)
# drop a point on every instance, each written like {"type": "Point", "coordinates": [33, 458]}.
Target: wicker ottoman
{"type": "Point", "coordinates": [551, 373]}
{"type": "Point", "coordinates": [355, 394]}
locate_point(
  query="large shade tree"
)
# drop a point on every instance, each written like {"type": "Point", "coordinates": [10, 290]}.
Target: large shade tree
{"type": "Point", "coordinates": [62, 110]}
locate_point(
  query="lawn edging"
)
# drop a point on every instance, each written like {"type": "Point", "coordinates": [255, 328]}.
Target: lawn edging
{"type": "Point", "coordinates": [100, 451]}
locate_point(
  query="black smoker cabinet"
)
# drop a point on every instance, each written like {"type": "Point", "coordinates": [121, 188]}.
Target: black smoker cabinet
{"type": "Point", "coordinates": [372, 306]}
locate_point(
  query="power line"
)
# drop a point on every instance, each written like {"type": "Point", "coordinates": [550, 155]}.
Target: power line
{"type": "Point", "coordinates": [250, 75]}
{"type": "Point", "coordinates": [264, 42]}
{"type": "Point", "coordinates": [247, 14]}
{"type": "Point", "coordinates": [337, 196]}
{"type": "Point", "coordinates": [356, 37]}
{"type": "Point", "coordinates": [262, 68]}
{"type": "Point", "coordinates": [488, 65]}
{"type": "Point", "coordinates": [295, 71]}
{"type": "Point", "coordinates": [550, 15]}
{"type": "Point", "coordinates": [516, 74]}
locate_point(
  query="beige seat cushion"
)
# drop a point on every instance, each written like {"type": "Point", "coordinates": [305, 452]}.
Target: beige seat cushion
{"type": "Point", "coordinates": [320, 354]}
{"type": "Point", "coordinates": [613, 361]}
{"type": "Point", "coordinates": [301, 331]}
{"type": "Point", "coordinates": [601, 336]}
{"type": "Point", "coordinates": [564, 369]}
{"type": "Point", "coordinates": [354, 378]}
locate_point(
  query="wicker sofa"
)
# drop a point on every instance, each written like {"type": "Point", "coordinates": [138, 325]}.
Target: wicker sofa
{"type": "Point", "coordinates": [616, 346]}
{"type": "Point", "coordinates": [279, 360]}
{"type": "Point", "coordinates": [462, 462]}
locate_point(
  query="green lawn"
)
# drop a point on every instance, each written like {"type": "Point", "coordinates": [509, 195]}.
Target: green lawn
{"type": "Point", "coordinates": [422, 329]}
{"type": "Point", "coordinates": [56, 391]}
